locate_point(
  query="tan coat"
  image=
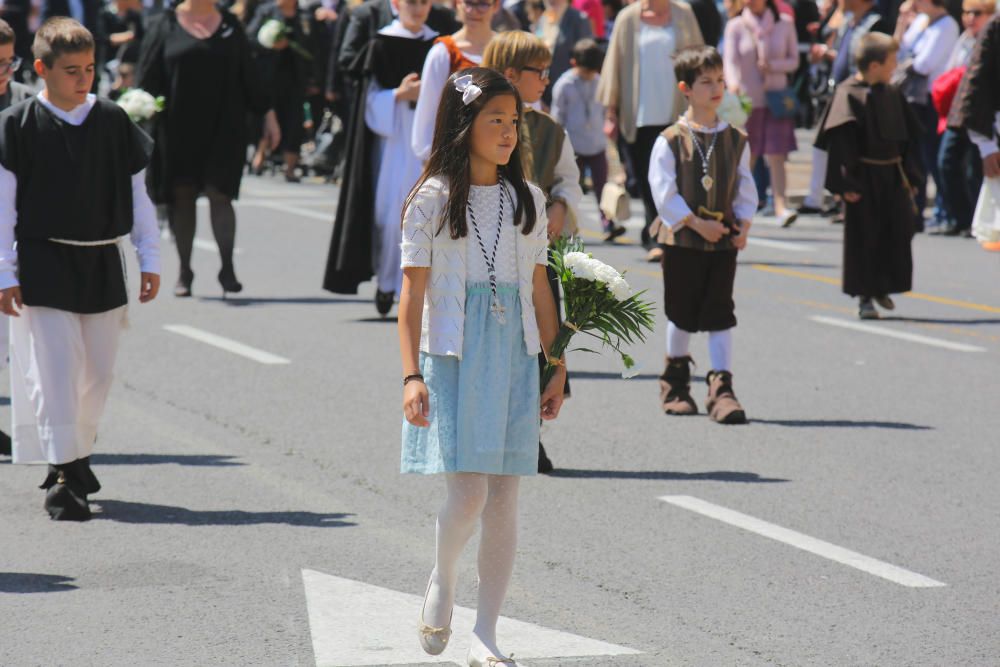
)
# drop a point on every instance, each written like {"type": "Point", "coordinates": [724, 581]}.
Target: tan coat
{"type": "Point", "coordinates": [619, 85]}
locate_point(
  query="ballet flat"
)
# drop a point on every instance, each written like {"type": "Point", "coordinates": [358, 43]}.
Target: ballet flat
{"type": "Point", "coordinates": [490, 661]}
{"type": "Point", "coordinates": [433, 640]}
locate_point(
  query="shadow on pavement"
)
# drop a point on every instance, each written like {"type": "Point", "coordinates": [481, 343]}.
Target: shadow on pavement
{"type": "Point", "coordinates": [128, 512]}
{"type": "Point", "coordinates": [29, 582]}
{"type": "Point", "coordinates": [714, 476]}
{"type": "Point", "coordinates": [258, 301]}
{"type": "Point", "coordinates": [156, 459]}
{"type": "Point", "coordinates": [608, 375]}
{"type": "Point", "coordinates": [842, 423]}
{"type": "Point", "coordinates": [383, 320]}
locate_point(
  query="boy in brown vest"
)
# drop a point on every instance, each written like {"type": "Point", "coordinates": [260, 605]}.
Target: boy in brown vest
{"type": "Point", "coordinates": [699, 174]}
{"type": "Point", "coordinates": [549, 161]}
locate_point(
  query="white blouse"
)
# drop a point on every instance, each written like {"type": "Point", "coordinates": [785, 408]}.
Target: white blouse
{"type": "Point", "coordinates": [443, 323]}
{"type": "Point", "coordinates": [485, 202]}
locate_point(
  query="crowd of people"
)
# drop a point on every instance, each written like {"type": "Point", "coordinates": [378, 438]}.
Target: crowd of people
{"type": "Point", "coordinates": [467, 132]}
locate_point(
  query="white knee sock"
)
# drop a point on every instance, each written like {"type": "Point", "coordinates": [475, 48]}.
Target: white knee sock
{"type": "Point", "coordinates": [496, 561]}
{"type": "Point", "coordinates": [720, 350]}
{"type": "Point", "coordinates": [678, 341]}
{"type": "Point", "coordinates": [467, 493]}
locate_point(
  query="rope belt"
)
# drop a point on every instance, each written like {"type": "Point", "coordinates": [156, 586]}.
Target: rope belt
{"type": "Point", "coordinates": [121, 254]}
{"type": "Point", "coordinates": [898, 162]}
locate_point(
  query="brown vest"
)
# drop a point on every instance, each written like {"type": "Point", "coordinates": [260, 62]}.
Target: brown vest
{"type": "Point", "coordinates": [722, 167]}
{"type": "Point", "coordinates": [541, 145]}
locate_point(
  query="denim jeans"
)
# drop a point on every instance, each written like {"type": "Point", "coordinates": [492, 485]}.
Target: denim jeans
{"type": "Point", "coordinates": [961, 173]}
{"type": "Point", "coordinates": [929, 142]}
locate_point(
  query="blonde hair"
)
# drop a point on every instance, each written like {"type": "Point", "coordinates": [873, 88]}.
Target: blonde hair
{"type": "Point", "coordinates": [516, 50]}
{"type": "Point", "coordinates": [988, 6]}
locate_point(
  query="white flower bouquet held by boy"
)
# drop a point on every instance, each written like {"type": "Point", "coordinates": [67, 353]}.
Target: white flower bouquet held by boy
{"type": "Point", "coordinates": [599, 303]}
{"type": "Point", "coordinates": [274, 31]}
{"type": "Point", "coordinates": [140, 105]}
{"type": "Point", "coordinates": [735, 109]}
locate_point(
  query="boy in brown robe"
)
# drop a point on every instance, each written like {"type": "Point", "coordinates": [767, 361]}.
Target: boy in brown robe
{"type": "Point", "coordinates": [700, 177]}
{"type": "Point", "coordinates": [871, 135]}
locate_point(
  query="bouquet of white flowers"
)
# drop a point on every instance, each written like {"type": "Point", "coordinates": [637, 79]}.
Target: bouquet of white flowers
{"type": "Point", "coordinates": [599, 303]}
{"type": "Point", "coordinates": [735, 109]}
{"type": "Point", "coordinates": [273, 31]}
{"type": "Point", "coordinates": [140, 105]}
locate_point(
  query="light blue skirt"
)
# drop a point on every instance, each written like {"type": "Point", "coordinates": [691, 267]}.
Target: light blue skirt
{"type": "Point", "coordinates": [484, 408]}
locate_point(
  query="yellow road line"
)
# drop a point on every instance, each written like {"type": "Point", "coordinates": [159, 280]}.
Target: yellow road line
{"type": "Point", "coordinates": [957, 303]}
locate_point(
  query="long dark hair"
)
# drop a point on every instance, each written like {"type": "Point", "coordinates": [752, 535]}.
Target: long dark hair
{"type": "Point", "coordinates": [453, 143]}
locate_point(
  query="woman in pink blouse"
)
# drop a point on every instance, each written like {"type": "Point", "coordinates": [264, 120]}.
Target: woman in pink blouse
{"type": "Point", "coordinates": [760, 50]}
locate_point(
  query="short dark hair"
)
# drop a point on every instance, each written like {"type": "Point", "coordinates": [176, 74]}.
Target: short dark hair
{"type": "Point", "coordinates": [7, 35]}
{"type": "Point", "coordinates": [875, 47]}
{"type": "Point", "coordinates": [694, 60]}
{"type": "Point", "coordinates": [57, 37]}
{"type": "Point", "coordinates": [588, 54]}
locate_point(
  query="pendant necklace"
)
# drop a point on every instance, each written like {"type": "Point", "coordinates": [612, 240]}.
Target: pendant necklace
{"type": "Point", "coordinates": [706, 181]}
{"type": "Point", "coordinates": [496, 308]}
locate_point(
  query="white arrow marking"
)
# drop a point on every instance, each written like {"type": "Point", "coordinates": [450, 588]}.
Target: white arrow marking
{"type": "Point", "coordinates": [879, 568]}
{"type": "Point", "coordinates": [205, 244]}
{"type": "Point", "coordinates": [354, 623]}
{"type": "Point", "coordinates": [780, 245]}
{"type": "Point", "coordinates": [227, 344]}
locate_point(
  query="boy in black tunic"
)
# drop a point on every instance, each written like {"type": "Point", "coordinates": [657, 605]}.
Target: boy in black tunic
{"type": "Point", "coordinates": [871, 135]}
{"type": "Point", "coordinates": [72, 185]}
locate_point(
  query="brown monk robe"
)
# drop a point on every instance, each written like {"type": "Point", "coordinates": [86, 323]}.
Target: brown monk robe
{"type": "Point", "coordinates": [871, 136]}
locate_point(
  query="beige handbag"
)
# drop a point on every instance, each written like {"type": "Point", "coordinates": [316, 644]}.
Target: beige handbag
{"type": "Point", "coordinates": [615, 203]}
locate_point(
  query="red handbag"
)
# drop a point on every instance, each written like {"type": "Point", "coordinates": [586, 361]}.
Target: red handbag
{"type": "Point", "coordinates": [943, 94]}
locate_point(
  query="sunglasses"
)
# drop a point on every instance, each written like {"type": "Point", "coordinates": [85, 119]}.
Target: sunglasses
{"type": "Point", "coordinates": [478, 6]}
{"type": "Point", "coordinates": [10, 65]}
{"type": "Point", "coordinates": [542, 72]}
{"type": "Point", "coordinates": [973, 12]}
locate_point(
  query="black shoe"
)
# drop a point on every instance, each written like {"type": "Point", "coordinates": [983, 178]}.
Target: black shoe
{"type": "Point", "coordinates": [544, 464]}
{"type": "Point", "coordinates": [832, 209]}
{"type": "Point", "coordinates": [5, 445]}
{"type": "Point", "coordinates": [613, 232]}
{"type": "Point", "coordinates": [952, 231]}
{"type": "Point", "coordinates": [383, 302]}
{"type": "Point", "coordinates": [230, 285]}
{"type": "Point", "coordinates": [866, 310]}
{"type": "Point", "coordinates": [183, 286]}
{"type": "Point", "coordinates": [89, 480]}
{"type": "Point", "coordinates": [65, 498]}
{"type": "Point", "coordinates": [810, 210]}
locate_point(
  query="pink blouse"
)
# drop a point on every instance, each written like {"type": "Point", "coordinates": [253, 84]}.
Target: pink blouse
{"type": "Point", "coordinates": [751, 39]}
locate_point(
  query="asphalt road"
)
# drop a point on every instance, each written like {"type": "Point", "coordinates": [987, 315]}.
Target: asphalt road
{"type": "Point", "coordinates": [853, 522]}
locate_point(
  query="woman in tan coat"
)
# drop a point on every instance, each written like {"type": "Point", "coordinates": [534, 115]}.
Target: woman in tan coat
{"type": "Point", "coordinates": [638, 87]}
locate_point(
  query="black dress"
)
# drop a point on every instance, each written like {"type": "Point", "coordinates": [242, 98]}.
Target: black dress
{"type": "Point", "coordinates": [285, 73]}
{"type": "Point", "coordinates": [210, 85]}
{"type": "Point", "coordinates": [110, 23]}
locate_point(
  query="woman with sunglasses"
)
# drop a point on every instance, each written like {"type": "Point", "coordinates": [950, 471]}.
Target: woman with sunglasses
{"type": "Point", "coordinates": [452, 53]}
{"type": "Point", "coordinates": [11, 92]}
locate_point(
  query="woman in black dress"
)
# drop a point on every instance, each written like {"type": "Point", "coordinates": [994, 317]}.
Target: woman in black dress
{"type": "Point", "coordinates": [287, 72]}
{"type": "Point", "coordinates": [199, 59]}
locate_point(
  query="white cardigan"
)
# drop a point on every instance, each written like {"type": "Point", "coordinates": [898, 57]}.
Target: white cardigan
{"type": "Point", "coordinates": [443, 324]}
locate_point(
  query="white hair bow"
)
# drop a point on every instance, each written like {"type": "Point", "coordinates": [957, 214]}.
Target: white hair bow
{"type": "Point", "coordinates": [469, 90]}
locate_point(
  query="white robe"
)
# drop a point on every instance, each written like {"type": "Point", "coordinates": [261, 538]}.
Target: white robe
{"type": "Point", "coordinates": [397, 167]}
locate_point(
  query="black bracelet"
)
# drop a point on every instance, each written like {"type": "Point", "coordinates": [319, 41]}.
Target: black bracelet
{"type": "Point", "coordinates": [409, 378]}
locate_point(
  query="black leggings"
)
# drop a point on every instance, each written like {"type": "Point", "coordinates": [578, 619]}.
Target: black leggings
{"type": "Point", "coordinates": [182, 213]}
{"type": "Point", "coordinates": [640, 152]}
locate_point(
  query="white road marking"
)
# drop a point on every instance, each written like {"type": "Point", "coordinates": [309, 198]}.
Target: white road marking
{"type": "Point", "coordinates": [798, 540]}
{"type": "Point", "coordinates": [296, 210]}
{"type": "Point", "coordinates": [892, 333]}
{"type": "Point", "coordinates": [780, 245]}
{"type": "Point", "coordinates": [227, 344]}
{"type": "Point", "coordinates": [205, 244]}
{"type": "Point", "coordinates": [354, 623]}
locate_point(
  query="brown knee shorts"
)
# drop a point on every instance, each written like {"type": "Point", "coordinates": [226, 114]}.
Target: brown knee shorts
{"type": "Point", "coordinates": [698, 288]}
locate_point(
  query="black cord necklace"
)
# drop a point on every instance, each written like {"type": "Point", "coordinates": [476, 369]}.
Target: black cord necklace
{"type": "Point", "coordinates": [496, 308]}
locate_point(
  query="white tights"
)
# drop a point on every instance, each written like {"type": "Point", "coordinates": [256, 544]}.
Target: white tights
{"type": "Point", "coordinates": [472, 498]}
{"type": "Point", "coordinates": [720, 346]}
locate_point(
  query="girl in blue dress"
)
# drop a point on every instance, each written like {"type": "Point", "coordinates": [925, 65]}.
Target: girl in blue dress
{"type": "Point", "coordinates": [475, 309]}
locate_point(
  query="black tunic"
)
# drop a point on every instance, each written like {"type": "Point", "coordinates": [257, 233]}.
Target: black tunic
{"type": "Point", "coordinates": [209, 85]}
{"type": "Point", "coordinates": [73, 183]}
{"type": "Point", "coordinates": [874, 123]}
{"type": "Point", "coordinates": [387, 60]}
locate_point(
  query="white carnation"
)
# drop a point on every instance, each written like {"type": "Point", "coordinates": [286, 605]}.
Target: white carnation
{"type": "Point", "coordinates": [620, 289]}
{"type": "Point", "coordinates": [731, 110]}
{"type": "Point", "coordinates": [138, 104]}
{"type": "Point", "coordinates": [605, 273]}
{"type": "Point", "coordinates": [269, 33]}
{"type": "Point", "coordinates": [580, 264]}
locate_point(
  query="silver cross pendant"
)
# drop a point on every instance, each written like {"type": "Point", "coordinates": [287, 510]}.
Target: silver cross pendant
{"type": "Point", "coordinates": [498, 312]}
